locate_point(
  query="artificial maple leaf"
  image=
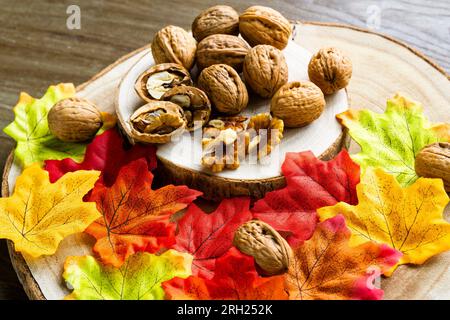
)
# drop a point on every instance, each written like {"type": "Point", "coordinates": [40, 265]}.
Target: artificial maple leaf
{"type": "Point", "coordinates": [139, 278]}
{"type": "Point", "coordinates": [208, 236]}
{"type": "Point", "coordinates": [135, 217]}
{"type": "Point", "coordinates": [407, 219]}
{"type": "Point", "coordinates": [392, 140]}
{"type": "Point", "coordinates": [106, 153]}
{"type": "Point", "coordinates": [235, 278]}
{"type": "Point", "coordinates": [326, 267]}
{"type": "Point", "coordinates": [39, 214]}
{"type": "Point", "coordinates": [311, 184]}
{"type": "Point", "coordinates": [35, 143]}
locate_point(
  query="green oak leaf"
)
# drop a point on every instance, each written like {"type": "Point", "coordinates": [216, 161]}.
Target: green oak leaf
{"type": "Point", "coordinates": [139, 278]}
{"type": "Point", "coordinates": [392, 140]}
{"type": "Point", "coordinates": [35, 143]}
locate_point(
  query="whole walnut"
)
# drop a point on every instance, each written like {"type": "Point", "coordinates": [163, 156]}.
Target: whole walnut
{"type": "Point", "coordinates": [433, 161]}
{"type": "Point", "coordinates": [174, 44]}
{"type": "Point", "coordinates": [265, 70]}
{"type": "Point", "coordinates": [269, 249]}
{"type": "Point", "coordinates": [224, 88]}
{"type": "Point", "coordinates": [222, 48]}
{"type": "Point", "coordinates": [74, 120]}
{"type": "Point", "coordinates": [298, 103]}
{"type": "Point", "coordinates": [216, 20]}
{"type": "Point", "coordinates": [263, 25]}
{"type": "Point", "coordinates": [330, 70]}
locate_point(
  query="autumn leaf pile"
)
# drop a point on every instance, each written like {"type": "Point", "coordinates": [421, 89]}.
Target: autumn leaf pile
{"type": "Point", "coordinates": [348, 220]}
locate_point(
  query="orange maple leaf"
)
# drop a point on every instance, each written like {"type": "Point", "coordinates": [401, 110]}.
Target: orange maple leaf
{"type": "Point", "coordinates": [326, 267]}
{"type": "Point", "coordinates": [135, 217]}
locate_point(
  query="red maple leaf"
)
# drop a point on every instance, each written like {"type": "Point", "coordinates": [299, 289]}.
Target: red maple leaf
{"type": "Point", "coordinates": [311, 184]}
{"type": "Point", "coordinates": [208, 236]}
{"type": "Point", "coordinates": [135, 217]}
{"type": "Point", "coordinates": [107, 153]}
{"type": "Point", "coordinates": [235, 277]}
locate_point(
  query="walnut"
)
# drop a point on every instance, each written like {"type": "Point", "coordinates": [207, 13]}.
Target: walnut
{"type": "Point", "coordinates": [174, 44]}
{"type": "Point", "coordinates": [263, 133]}
{"type": "Point", "coordinates": [157, 122]}
{"type": "Point", "coordinates": [433, 161]}
{"type": "Point", "coordinates": [222, 48]}
{"type": "Point", "coordinates": [195, 104]}
{"type": "Point", "coordinates": [265, 70]}
{"type": "Point", "coordinates": [330, 70]}
{"type": "Point", "coordinates": [271, 252]}
{"type": "Point", "coordinates": [216, 20]}
{"type": "Point", "coordinates": [263, 25]}
{"type": "Point", "coordinates": [160, 78]}
{"type": "Point", "coordinates": [223, 143]}
{"type": "Point", "coordinates": [224, 88]}
{"type": "Point", "coordinates": [74, 120]}
{"type": "Point", "coordinates": [298, 103]}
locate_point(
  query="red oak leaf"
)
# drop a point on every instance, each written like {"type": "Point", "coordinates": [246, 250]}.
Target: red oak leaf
{"type": "Point", "coordinates": [235, 277]}
{"type": "Point", "coordinates": [326, 267]}
{"type": "Point", "coordinates": [209, 236]}
{"type": "Point", "coordinates": [107, 153]}
{"type": "Point", "coordinates": [135, 217]}
{"type": "Point", "coordinates": [311, 184]}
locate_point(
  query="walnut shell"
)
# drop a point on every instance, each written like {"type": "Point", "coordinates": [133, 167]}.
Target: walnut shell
{"type": "Point", "coordinates": [263, 133]}
{"type": "Point", "coordinates": [216, 20]}
{"type": "Point", "coordinates": [263, 25]}
{"type": "Point", "coordinates": [269, 249]}
{"type": "Point", "coordinates": [157, 122]}
{"type": "Point", "coordinates": [74, 120]}
{"type": "Point", "coordinates": [224, 88]}
{"type": "Point", "coordinates": [160, 78]}
{"type": "Point", "coordinates": [298, 103]}
{"type": "Point", "coordinates": [195, 104]}
{"type": "Point", "coordinates": [174, 44]}
{"type": "Point", "coordinates": [265, 70]}
{"type": "Point", "coordinates": [330, 70]}
{"type": "Point", "coordinates": [222, 48]}
{"type": "Point", "coordinates": [433, 161]}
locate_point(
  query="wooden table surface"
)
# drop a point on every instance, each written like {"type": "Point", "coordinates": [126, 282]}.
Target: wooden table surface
{"type": "Point", "coordinates": [37, 48]}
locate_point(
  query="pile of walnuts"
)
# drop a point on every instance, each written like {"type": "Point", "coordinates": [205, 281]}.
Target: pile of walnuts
{"type": "Point", "coordinates": [229, 65]}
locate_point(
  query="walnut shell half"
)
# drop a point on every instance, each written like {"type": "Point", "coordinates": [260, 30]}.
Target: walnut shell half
{"type": "Point", "coordinates": [258, 239]}
{"type": "Point", "coordinates": [160, 78]}
{"type": "Point", "coordinates": [330, 70]}
{"type": "Point", "coordinates": [174, 44]}
{"type": "Point", "coordinates": [433, 161]}
{"type": "Point", "coordinates": [157, 122]}
{"type": "Point", "coordinates": [222, 48]}
{"type": "Point", "coordinates": [216, 20]}
{"type": "Point", "coordinates": [298, 103]}
{"type": "Point", "coordinates": [265, 70]}
{"type": "Point", "coordinates": [195, 104]}
{"type": "Point", "coordinates": [74, 120]}
{"type": "Point", "coordinates": [224, 88]}
{"type": "Point", "coordinates": [264, 25]}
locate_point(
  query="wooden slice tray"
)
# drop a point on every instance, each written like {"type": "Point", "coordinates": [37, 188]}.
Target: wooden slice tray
{"type": "Point", "coordinates": [382, 66]}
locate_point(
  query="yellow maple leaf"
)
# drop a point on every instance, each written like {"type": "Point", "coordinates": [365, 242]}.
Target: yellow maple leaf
{"type": "Point", "coordinates": [40, 214]}
{"type": "Point", "coordinates": [407, 219]}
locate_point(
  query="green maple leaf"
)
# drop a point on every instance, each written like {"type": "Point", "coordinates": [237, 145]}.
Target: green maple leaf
{"type": "Point", "coordinates": [392, 140]}
{"type": "Point", "coordinates": [35, 143]}
{"type": "Point", "coordinates": [139, 278]}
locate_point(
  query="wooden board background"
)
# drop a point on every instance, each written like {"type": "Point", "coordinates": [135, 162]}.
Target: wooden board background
{"type": "Point", "coordinates": [37, 49]}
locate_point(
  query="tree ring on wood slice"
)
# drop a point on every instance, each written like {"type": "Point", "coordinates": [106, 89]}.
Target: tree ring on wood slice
{"type": "Point", "coordinates": [180, 159]}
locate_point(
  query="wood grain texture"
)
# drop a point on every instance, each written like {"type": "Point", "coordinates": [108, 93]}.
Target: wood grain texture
{"type": "Point", "coordinates": [37, 49]}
